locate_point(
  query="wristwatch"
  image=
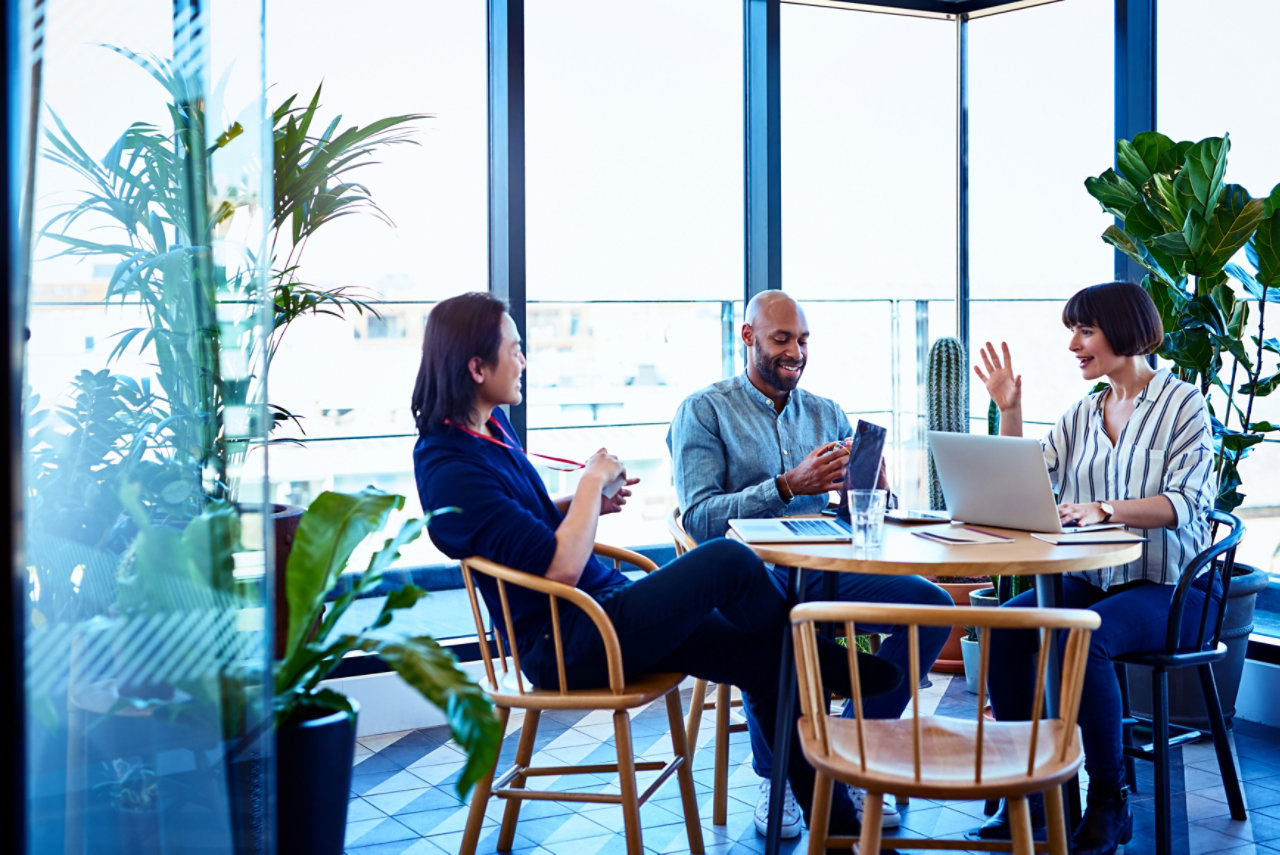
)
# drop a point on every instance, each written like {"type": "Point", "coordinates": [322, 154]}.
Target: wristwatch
{"type": "Point", "coordinates": [1107, 510]}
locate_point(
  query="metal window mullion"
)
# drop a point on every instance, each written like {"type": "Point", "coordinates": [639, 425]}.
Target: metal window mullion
{"type": "Point", "coordinates": [763, 146]}
{"type": "Point", "coordinates": [962, 185]}
{"type": "Point", "coordinates": [507, 274]}
{"type": "Point", "coordinates": [1135, 89]}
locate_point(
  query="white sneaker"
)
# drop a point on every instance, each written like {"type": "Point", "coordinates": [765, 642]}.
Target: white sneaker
{"type": "Point", "coordinates": [889, 816]}
{"type": "Point", "coordinates": [792, 820]}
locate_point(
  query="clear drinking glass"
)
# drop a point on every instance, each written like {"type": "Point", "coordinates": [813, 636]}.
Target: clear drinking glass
{"type": "Point", "coordinates": [866, 512]}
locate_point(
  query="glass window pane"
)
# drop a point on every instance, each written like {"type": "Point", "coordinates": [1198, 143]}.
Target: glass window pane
{"type": "Point", "coordinates": [634, 150]}
{"type": "Point", "coordinates": [146, 648]}
{"type": "Point", "coordinates": [1194, 104]}
{"type": "Point", "coordinates": [868, 154]}
{"type": "Point", "coordinates": [405, 58]}
{"type": "Point", "coordinates": [1041, 120]}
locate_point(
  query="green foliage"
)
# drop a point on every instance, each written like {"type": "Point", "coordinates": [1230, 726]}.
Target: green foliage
{"type": "Point", "coordinates": [149, 210]}
{"type": "Point", "coordinates": [333, 526]}
{"type": "Point", "coordinates": [947, 391]}
{"type": "Point", "coordinates": [1181, 221]}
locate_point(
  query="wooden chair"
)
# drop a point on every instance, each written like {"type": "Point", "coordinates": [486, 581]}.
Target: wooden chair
{"type": "Point", "coordinates": [510, 690]}
{"type": "Point", "coordinates": [724, 699]}
{"type": "Point", "coordinates": [1211, 567]}
{"type": "Point", "coordinates": [936, 756]}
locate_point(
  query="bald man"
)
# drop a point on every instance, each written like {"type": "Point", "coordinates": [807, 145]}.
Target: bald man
{"type": "Point", "coordinates": [756, 445]}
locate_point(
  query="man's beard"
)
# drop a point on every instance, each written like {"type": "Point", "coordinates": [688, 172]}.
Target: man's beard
{"type": "Point", "coordinates": [768, 370]}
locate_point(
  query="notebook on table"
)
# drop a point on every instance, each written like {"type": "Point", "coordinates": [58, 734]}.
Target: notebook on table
{"type": "Point", "coordinates": [1000, 481]}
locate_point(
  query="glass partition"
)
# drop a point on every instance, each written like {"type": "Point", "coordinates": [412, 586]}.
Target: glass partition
{"type": "Point", "coordinates": [146, 602]}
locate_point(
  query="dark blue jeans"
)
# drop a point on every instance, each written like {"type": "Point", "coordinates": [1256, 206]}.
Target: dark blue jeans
{"type": "Point", "coordinates": [1133, 620]}
{"type": "Point", "coordinates": [875, 588]}
{"type": "Point", "coordinates": [712, 613]}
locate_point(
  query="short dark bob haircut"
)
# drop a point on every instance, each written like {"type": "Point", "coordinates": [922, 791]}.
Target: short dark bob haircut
{"type": "Point", "coordinates": [1123, 311]}
{"type": "Point", "coordinates": [458, 329]}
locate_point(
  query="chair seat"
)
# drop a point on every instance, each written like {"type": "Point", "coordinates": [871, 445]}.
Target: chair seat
{"type": "Point", "coordinates": [1164, 659]}
{"type": "Point", "coordinates": [638, 692]}
{"type": "Point", "coordinates": [947, 756]}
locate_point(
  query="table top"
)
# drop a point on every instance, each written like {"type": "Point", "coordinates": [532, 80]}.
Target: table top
{"type": "Point", "coordinates": [903, 553]}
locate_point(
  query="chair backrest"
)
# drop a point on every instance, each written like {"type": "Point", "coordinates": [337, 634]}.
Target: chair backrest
{"type": "Point", "coordinates": [681, 537]}
{"type": "Point", "coordinates": [1211, 569]}
{"type": "Point", "coordinates": [502, 660]}
{"type": "Point", "coordinates": [956, 751]}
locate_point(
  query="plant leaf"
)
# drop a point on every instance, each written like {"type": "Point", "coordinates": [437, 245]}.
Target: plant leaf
{"type": "Point", "coordinates": [1199, 182]}
{"type": "Point", "coordinates": [1266, 245]}
{"type": "Point", "coordinates": [332, 527]}
{"type": "Point", "coordinates": [434, 672]}
{"type": "Point", "coordinates": [1114, 192]}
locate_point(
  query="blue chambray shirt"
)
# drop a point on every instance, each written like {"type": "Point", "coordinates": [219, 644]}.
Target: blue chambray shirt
{"type": "Point", "coordinates": [728, 446]}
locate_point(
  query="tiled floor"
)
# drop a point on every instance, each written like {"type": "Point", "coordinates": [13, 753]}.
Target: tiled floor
{"type": "Point", "coordinates": [404, 802]}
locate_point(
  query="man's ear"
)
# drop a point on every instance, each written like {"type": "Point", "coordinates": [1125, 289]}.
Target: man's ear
{"type": "Point", "coordinates": [474, 364]}
{"type": "Point", "coordinates": [748, 335]}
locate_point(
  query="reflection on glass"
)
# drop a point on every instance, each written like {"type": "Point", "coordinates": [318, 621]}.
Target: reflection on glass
{"type": "Point", "coordinates": [145, 655]}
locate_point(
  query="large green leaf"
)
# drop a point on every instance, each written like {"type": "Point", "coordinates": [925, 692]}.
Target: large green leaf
{"type": "Point", "coordinates": [1273, 200]}
{"type": "Point", "coordinates": [1115, 193]}
{"type": "Point", "coordinates": [1163, 202]}
{"type": "Point", "coordinates": [1137, 250]}
{"type": "Point", "coordinates": [434, 672]}
{"type": "Point", "coordinates": [1199, 182]}
{"type": "Point", "coordinates": [1233, 223]}
{"type": "Point", "coordinates": [1150, 152]}
{"type": "Point", "coordinates": [1191, 347]}
{"type": "Point", "coordinates": [332, 527]}
{"type": "Point", "coordinates": [1266, 246]}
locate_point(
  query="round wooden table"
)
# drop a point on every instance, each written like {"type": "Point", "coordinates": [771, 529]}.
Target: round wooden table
{"type": "Point", "coordinates": [904, 553]}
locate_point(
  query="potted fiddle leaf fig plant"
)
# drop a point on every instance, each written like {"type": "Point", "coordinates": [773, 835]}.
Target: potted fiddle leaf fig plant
{"type": "Point", "coordinates": [1180, 219]}
{"type": "Point", "coordinates": [315, 725]}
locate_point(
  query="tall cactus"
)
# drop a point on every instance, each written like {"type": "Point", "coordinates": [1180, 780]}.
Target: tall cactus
{"type": "Point", "coordinates": [947, 391]}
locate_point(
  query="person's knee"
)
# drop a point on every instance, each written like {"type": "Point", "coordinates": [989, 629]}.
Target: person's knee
{"type": "Point", "coordinates": [929, 594]}
{"type": "Point", "coordinates": [730, 556]}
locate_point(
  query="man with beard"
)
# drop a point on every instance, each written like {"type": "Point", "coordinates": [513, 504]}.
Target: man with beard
{"type": "Point", "coordinates": [756, 445]}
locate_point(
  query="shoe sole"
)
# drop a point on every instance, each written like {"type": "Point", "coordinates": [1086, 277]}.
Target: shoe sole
{"type": "Point", "coordinates": [787, 834]}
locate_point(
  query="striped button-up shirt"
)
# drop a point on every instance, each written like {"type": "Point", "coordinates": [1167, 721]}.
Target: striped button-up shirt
{"type": "Point", "coordinates": [1166, 449]}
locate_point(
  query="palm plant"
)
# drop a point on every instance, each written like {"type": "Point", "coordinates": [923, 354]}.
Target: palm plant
{"type": "Point", "coordinates": [150, 193]}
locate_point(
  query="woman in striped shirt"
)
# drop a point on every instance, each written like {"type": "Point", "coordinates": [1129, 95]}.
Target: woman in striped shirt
{"type": "Point", "coordinates": [1138, 452]}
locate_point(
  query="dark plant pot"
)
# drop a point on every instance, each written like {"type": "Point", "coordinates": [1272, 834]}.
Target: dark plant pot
{"type": "Point", "coordinates": [314, 757]}
{"type": "Point", "coordinates": [1186, 701]}
{"type": "Point", "coordinates": [951, 659]}
{"type": "Point", "coordinates": [284, 525]}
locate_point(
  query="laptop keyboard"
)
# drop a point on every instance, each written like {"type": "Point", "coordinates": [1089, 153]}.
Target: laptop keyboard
{"type": "Point", "coordinates": [811, 528]}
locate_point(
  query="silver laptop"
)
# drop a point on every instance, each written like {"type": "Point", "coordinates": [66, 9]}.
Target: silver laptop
{"type": "Point", "coordinates": [995, 480]}
{"type": "Point", "coordinates": [792, 530]}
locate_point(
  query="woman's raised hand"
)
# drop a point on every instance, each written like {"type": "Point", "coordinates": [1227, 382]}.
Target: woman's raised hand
{"type": "Point", "coordinates": [1004, 387]}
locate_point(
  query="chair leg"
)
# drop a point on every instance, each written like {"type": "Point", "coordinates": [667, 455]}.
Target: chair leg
{"type": "Point", "coordinates": [720, 775]}
{"type": "Point", "coordinates": [696, 704]}
{"type": "Point", "coordinates": [1226, 763]}
{"type": "Point", "coordinates": [684, 775]}
{"type": "Point", "coordinates": [480, 795]}
{"type": "Point", "coordinates": [1019, 825]}
{"type": "Point", "coordinates": [524, 756]}
{"type": "Point", "coordinates": [1160, 737]}
{"type": "Point", "coordinates": [627, 781]}
{"type": "Point", "coordinates": [1126, 725]}
{"type": "Point", "coordinates": [1056, 817]}
{"type": "Point", "coordinates": [869, 841]}
{"type": "Point", "coordinates": [820, 814]}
